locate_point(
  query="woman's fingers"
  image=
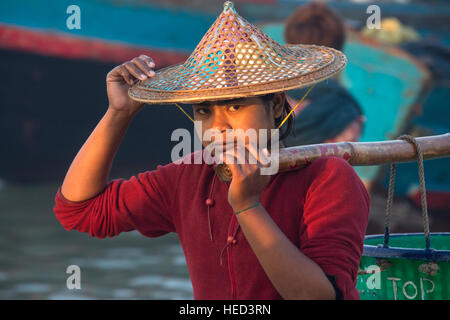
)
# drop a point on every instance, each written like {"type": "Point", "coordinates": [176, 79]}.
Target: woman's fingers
{"type": "Point", "coordinates": [262, 156]}
{"type": "Point", "coordinates": [244, 155]}
{"type": "Point", "coordinates": [144, 66]}
{"type": "Point", "coordinates": [240, 161]}
{"type": "Point", "coordinates": [267, 155]}
{"type": "Point", "coordinates": [135, 70]}
{"type": "Point", "coordinates": [138, 68]}
{"type": "Point", "coordinates": [125, 74]}
{"type": "Point", "coordinates": [149, 61]}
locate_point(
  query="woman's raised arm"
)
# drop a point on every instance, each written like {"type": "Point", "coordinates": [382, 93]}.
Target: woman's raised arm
{"type": "Point", "coordinates": [89, 171]}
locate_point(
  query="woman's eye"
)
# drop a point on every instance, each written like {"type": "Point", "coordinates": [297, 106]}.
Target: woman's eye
{"type": "Point", "coordinates": [202, 111]}
{"type": "Point", "coordinates": [234, 108]}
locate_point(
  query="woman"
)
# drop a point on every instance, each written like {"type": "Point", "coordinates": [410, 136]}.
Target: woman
{"type": "Point", "coordinates": [293, 235]}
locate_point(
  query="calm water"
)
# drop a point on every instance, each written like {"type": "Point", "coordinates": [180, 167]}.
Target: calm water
{"type": "Point", "coordinates": [35, 251]}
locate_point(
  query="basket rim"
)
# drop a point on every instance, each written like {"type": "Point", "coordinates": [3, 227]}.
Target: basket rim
{"type": "Point", "coordinates": [379, 251]}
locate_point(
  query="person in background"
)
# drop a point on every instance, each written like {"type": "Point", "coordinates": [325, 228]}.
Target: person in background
{"type": "Point", "coordinates": [329, 113]}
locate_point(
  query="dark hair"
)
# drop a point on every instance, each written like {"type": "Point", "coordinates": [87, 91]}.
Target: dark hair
{"type": "Point", "coordinates": [288, 126]}
{"type": "Point", "coordinates": [315, 23]}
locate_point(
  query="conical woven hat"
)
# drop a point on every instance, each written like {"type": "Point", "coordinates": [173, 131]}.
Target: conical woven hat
{"type": "Point", "coordinates": [235, 59]}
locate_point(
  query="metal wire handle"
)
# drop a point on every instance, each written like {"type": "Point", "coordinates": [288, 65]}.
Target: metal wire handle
{"type": "Point", "coordinates": [426, 225]}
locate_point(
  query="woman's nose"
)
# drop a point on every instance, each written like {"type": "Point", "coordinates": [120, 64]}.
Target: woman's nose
{"type": "Point", "coordinates": [220, 122]}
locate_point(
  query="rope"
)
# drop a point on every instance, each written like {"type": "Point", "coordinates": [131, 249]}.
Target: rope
{"type": "Point", "coordinates": [426, 225]}
{"type": "Point", "coordinates": [387, 218]}
{"type": "Point", "coordinates": [298, 103]}
{"type": "Point", "coordinates": [184, 112]}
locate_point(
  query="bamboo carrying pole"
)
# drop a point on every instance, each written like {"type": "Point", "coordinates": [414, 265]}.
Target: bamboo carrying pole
{"type": "Point", "coordinates": [356, 153]}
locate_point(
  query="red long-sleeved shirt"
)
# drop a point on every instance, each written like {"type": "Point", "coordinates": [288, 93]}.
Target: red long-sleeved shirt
{"type": "Point", "coordinates": [322, 208]}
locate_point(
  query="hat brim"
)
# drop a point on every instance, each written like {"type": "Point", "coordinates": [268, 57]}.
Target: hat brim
{"type": "Point", "coordinates": [150, 90]}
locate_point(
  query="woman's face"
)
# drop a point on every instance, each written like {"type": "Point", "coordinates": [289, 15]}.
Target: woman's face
{"type": "Point", "coordinates": [244, 113]}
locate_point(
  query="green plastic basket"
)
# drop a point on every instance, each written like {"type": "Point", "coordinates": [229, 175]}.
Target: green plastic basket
{"type": "Point", "coordinates": [405, 270]}
{"type": "Point", "coordinates": [411, 266]}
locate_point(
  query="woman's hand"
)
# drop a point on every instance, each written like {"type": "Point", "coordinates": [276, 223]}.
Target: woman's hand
{"type": "Point", "coordinates": [122, 77]}
{"type": "Point", "coordinates": [247, 183]}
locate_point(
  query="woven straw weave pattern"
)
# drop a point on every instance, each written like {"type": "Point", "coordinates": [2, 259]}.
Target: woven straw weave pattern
{"type": "Point", "coordinates": [234, 55]}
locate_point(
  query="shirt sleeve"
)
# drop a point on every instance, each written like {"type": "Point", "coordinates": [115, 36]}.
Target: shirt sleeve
{"type": "Point", "coordinates": [334, 221]}
{"type": "Point", "coordinates": [143, 203]}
